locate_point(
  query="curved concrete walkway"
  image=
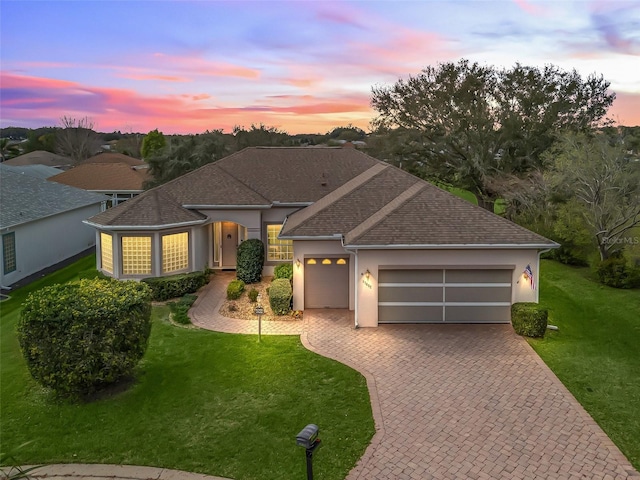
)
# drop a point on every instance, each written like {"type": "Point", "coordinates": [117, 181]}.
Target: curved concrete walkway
{"type": "Point", "coordinates": [69, 471]}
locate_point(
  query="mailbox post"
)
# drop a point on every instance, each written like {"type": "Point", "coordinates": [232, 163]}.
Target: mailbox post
{"type": "Point", "coordinates": [259, 311]}
{"type": "Point", "coordinates": [308, 438]}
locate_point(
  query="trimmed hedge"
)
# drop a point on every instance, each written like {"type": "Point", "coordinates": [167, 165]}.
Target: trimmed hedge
{"type": "Point", "coordinates": [235, 289]}
{"type": "Point", "coordinates": [250, 260]}
{"type": "Point", "coordinates": [280, 294]}
{"type": "Point", "coordinates": [80, 337]}
{"type": "Point", "coordinates": [529, 319]}
{"type": "Point", "coordinates": [284, 270]}
{"type": "Point", "coordinates": [174, 286]}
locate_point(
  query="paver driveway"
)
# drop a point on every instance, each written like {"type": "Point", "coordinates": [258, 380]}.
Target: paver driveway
{"type": "Point", "coordinates": [464, 402]}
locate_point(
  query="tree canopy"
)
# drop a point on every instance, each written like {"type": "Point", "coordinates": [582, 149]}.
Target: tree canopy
{"type": "Point", "coordinates": [467, 124]}
{"type": "Point", "coordinates": [152, 143]}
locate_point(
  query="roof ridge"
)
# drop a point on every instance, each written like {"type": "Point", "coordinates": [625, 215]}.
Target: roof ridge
{"type": "Point", "coordinates": [336, 194]}
{"type": "Point", "coordinates": [381, 214]}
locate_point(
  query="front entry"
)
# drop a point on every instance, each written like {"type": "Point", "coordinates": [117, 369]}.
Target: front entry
{"type": "Point", "coordinates": [229, 244]}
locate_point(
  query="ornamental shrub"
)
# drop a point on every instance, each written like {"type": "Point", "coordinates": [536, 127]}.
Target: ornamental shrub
{"type": "Point", "coordinates": [284, 270]}
{"type": "Point", "coordinates": [529, 319]}
{"type": "Point", "coordinates": [250, 260]}
{"type": "Point", "coordinates": [164, 288]}
{"type": "Point", "coordinates": [181, 308]}
{"type": "Point", "coordinates": [235, 289]}
{"type": "Point", "coordinates": [80, 337]}
{"type": "Point", "coordinates": [280, 294]}
{"type": "Point", "coordinates": [253, 295]}
{"type": "Point", "coordinates": [617, 273]}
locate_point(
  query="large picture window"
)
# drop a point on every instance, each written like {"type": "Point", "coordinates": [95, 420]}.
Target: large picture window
{"type": "Point", "coordinates": [9, 252]}
{"type": "Point", "coordinates": [277, 249]}
{"type": "Point", "coordinates": [136, 255]}
{"type": "Point", "coordinates": [106, 252]}
{"type": "Point", "coordinates": [175, 252]}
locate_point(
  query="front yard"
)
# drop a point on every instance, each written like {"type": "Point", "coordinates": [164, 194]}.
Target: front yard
{"type": "Point", "coordinates": [596, 352]}
{"type": "Point", "coordinates": [203, 402]}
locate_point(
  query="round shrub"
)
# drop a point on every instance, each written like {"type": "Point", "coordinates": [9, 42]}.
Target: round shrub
{"type": "Point", "coordinates": [529, 319]}
{"type": "Point", "coordinates": [249, 260]}
{"type": "Point", "coordinates": [280, 294]}
{"type": "Point", "coordinates": [235, 289]}
{"type": "Point", "coordinates": [284, 270]}
{"type": "Point", "coordinates": [253, 295]}
{"type": "Point", "coordinates": [79, 337]}
{"type": "Point", "coordinates": [617, 273]}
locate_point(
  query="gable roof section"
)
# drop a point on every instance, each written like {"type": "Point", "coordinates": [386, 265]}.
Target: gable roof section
{"type": "Point", "coordinates": [39, 157]}
{"type": "Point", "coordinates": [105, 177]}
{"type": "Point", "coordinates": [151, 210]}
{"type": "Point", "coordinates": [25, 198]}
{"type": "Point", "coordinates": [112, 157]}
{"type": "Point", "coordinates": [396, 209]}
{"type": "Point", "coordinates": [38, 171]}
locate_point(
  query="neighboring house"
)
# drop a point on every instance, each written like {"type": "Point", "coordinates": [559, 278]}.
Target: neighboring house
{"type": "Point", "coordinates": [38, 171]}
{"type": "Point", "coordinates": [108, 157]}
{"type": "Point", "coordinates": [41, 223]}
{"type": "Point", "coordinates": [119, 181]}
{"type": "Point", "coordinates": [40, 157]}
{"type": "Point", "coordinates": [360, 233]}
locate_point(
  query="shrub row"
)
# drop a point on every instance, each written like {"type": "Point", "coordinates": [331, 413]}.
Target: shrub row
{"type": "Point", "coordinates": [164, 288]}
{"type": "Point", "coordinates": [280, 294]}
{"type": "Point", "coordinates": [79, 337]}
{"type": "Point", "coordinates": [235, 289]}
{"type": "Point", "coordinates": [529, 319]}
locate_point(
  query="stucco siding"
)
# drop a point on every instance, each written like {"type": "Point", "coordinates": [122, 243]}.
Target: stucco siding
{"type": "Point", "coordinates": [251, 219]}
{"type": "Point", "coordinates": [200, 244]}
{"type": "Point", "coordinates": [45, 242]}
{"type": "Point", "coordinates": [372, 260]}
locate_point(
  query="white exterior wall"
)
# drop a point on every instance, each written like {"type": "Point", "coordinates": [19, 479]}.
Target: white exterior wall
{"type": "Point", "coordinates": [251, 219]}
{"type": "Point", "coordinates": [200, 247]}
{"type": "Point", "coordinates": [45, 242]}
{"type": "Point", "coordinates": [367, 290]}
{"type": "Point", "coordinates": [317, 248]}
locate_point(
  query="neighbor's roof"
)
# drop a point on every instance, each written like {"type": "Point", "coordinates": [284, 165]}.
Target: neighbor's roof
{"type": "Point", "coordinates": [104, 177]}
{"type": "Point", "coordinates": [109, 157]}
{"type": "Point", "coordinates": [38, 171]}
{"type": "Point", "coordinates": [25, 198]}
{"type": "Point", "coordinates": [389, 207]}
{"type": "Point", "coordinates": [39, 157]}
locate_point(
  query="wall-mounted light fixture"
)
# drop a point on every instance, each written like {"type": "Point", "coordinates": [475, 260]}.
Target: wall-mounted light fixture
{"type": "Point", "coordinates": [367, 274]}
{"type": "Point", "coordinates": [298, 262]}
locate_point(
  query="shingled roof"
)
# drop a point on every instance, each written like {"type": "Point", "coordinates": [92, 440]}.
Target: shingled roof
{"type": "Point", "coordinates": [104, 177]}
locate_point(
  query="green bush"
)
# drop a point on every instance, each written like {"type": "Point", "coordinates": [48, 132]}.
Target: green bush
{"type": "Point", "coordinates": [79, 337]}
{"type": "Point", "coordinates": [181, 308]}
{"type": "Point", "coordinates": [280, 294]}
{"type": "Point", "coordinates": [617, 273]}
{"type": "Point", "coordinates": [284, 270]}
{"type": "Point", "coordinates": [250, 260]}
{"type": "Point", "coordinates": [253, 295]}
{"type": "Point", "coordinates": [529, 319]}
{"type": "Point", "coordinates": [235, 289]}
{"type": "Point", "coordinates": [164, 288]}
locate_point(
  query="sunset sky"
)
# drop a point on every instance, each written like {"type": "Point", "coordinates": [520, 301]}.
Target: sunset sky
{"type": "Point", "coordinates": [302, 66]}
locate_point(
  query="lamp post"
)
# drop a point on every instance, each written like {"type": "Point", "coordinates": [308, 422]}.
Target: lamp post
{"type": "Point", "coordinates": [259, 311]}
{"type": "Point", "coordinates": [308, 438]}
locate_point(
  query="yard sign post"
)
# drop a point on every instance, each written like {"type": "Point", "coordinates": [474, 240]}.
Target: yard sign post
{"type": "Point", "coordinates": [259, 311]}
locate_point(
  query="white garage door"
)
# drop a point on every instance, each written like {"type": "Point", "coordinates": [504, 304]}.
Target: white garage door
{"type": "Point", "coordinates": [326, 282]}
{"type": "Point", "coordinates": [444, 295]}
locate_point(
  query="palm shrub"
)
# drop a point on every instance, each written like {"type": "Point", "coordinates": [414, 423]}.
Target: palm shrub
{"type": "Point", "coordinates": [250, 260]}
{"type": "Point", "coordinates": [80, 337]}
{"type": "Point", "coordinates": [280, 294]}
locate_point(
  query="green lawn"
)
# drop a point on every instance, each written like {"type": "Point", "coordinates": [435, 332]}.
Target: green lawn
{"type": "Point", "coordinates": [204, 402]}
{"type": "Point", "coordinates": [596, 352]}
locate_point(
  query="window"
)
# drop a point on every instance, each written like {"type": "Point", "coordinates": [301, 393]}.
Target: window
{"type": "Point", "coordinates": [341, 261]}
{"type": "Point", "coordinates": [106, 252]}
{"type": "Point", "coordinates": [278, 249]}
{"type": "Point", "coordinates": [136, 255]}
{"type": "Point", "coordinates": [9, 252]}
{"type": "Point", "coordinates": [311, 261]}
{"type": "Point", "coordinates": [326, 261]}
{"type": "Point", "coordinates": [175, 252]}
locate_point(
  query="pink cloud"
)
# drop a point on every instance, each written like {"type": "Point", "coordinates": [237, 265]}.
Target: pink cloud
{"type": "Point", "coordinates": [200, 66]}
{"type": "Point", "coordinates": [162, 78]}
{"type": "Point", "coordinates": [530, 8]}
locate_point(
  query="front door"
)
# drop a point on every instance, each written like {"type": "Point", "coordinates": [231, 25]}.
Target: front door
{"type": "Point", "coordinates": [229, 244]}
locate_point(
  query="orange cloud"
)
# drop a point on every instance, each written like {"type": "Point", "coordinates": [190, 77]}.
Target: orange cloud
{"type": "Point", "coordinates": [200, 66]}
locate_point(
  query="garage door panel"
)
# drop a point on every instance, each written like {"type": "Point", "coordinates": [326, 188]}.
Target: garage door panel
{"type": "Point", "coordinates": [326, 285]}
{"type": "Point", "coordinates": [410, 276]}
{"type": "Point", "coordinates": [410, 294]}
{"type": "Point", "coordinates": [478, 294]}
{"type": "Point", "coordinates": [484, 314]}
{"type": "Point", "coordinates": [409, 314]}
{"type": "Point", "coordinates": [478, 276]}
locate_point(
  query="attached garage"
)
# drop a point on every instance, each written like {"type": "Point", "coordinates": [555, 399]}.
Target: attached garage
{"type": "Point", "coordinates": [444, 295]}
{"type": "Point", "coordinates": [326, 283]}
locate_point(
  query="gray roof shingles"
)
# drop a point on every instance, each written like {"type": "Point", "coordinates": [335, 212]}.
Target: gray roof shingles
{"type": "Point", "coordinates": [26, 198]}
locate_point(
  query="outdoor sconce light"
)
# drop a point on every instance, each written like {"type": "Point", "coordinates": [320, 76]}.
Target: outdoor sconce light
{"type": "Point", "coordinates": [298, 262]}
{"type": "Point", "coordinates": [367, 274]}
{"type": "Point", "coordinates": [308, 438]}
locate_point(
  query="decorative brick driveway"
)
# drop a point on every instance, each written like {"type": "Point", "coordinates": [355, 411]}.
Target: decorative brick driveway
{"type": "Point", "coordinates": [464, 402]}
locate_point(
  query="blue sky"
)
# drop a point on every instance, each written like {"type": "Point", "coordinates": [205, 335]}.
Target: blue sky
{"type": "Point", "coordinates": [303, 66]}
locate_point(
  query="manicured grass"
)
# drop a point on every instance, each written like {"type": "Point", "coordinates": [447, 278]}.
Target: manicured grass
{"type": "Point", "coordinates": [203, 402]}
{"type": "Point", "coordinates": [596, 352]}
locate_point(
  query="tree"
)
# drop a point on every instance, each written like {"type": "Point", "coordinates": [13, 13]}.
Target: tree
{"type": "Point", "coordinates": [152, 143]}
{"type": "Point", "coordinates": [470, 123]}
{"type": "Point", "coordinates": [39, 140]}
{"type": "Point", "coordinates": [601, 184]}
{"type": "Point", "coordinates": [76, 139]}
{"type": "Point", "coordinates": [7, 149]}
{"type": "Point", "coordinates": [260, 136]}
